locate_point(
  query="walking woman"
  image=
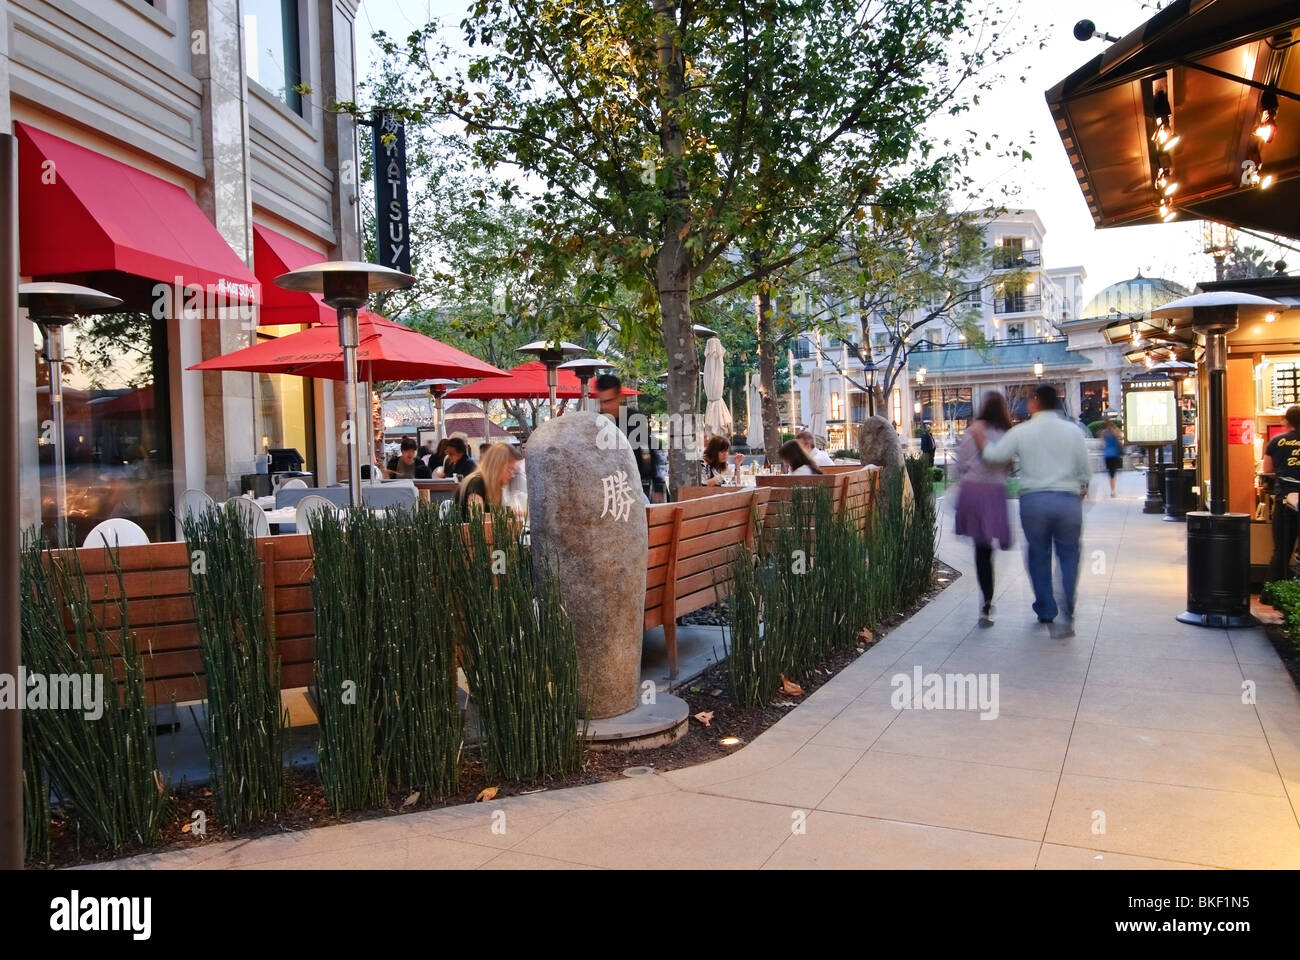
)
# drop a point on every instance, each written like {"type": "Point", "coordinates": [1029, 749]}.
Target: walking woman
{"type": "Point", "coordinates": [982, 494]}
{"type": "Point", "coordinates": [1112, 451]}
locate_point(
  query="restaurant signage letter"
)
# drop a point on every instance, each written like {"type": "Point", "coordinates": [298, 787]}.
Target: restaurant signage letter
{"type": "Point", "coordinates": [392, 230]}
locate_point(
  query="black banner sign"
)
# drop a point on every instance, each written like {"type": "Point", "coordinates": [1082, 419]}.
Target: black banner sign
{"type": "Point", "coordinates": [392, 230]}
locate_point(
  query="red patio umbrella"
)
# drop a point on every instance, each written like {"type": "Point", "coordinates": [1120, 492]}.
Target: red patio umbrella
{"type": "Point", "coordinates": [525, 382]}
{"type": "Point", "coordinates": [386, 351]}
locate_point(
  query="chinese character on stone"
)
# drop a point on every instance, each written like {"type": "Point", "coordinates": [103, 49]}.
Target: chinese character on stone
{"type": "Point", "coordinates": [618, 496]}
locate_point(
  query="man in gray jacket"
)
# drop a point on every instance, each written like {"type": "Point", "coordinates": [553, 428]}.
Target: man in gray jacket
{"type": "Point", "coordinates": [1054, 479]}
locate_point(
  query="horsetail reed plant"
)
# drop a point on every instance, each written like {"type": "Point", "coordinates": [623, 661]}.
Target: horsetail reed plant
{"type": "Point", "coordinates": [36, 809]}
{"type": "Point", "coordinates": [416, 601]}
{"type": "Point", "coordinates": [519, 656]}
{"type": "Point", "coordinates": [103, 768]}
{"type": "Point", "coordinates": [754, 661]}
{"type": "Point", "coordinates": [348, 693]}
{"type": "Point", "coordinates": [385, 597]}
{"type": "Point", "coordinates": [244, 728]}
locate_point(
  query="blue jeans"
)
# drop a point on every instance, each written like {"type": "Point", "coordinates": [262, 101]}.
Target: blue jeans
{"type": "Point", "coordinates": [1052, 519]}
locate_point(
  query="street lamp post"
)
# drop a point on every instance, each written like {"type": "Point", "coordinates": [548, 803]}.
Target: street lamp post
{"type": "Point", "coordinates": [869, 376]}
{"type": "Point", "coordinates": [53, 306]}
{"type": "Point", "coordinates": [347, 285]}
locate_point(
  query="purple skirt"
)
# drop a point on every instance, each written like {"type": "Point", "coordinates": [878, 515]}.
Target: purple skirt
{"type": "Point", "coordinates": [982, 513]}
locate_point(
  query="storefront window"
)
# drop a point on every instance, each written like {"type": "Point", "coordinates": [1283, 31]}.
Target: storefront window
{"type": "Point", "coordinates": [285, 409]}
{"type": "Point", "coordinates": [1094, 400]}
{"type": "Point", "coordinates": [117, 426]}
{"type": "Point", "coordinates": [271, 54]}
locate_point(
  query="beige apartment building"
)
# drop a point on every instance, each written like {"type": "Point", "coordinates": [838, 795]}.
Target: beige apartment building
{"type": "Point", "coordinates": [182, 144]}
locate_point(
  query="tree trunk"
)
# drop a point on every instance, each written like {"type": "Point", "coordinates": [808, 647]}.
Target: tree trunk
{"type": "Point", "coordinates": [673, 267]}
{"type": "Point", "coordinates": [767, 372]}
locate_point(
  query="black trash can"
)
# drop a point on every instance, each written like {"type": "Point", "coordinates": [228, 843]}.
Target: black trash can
{"type": "Point", "coordinates": [1178, 493]}
{"type": "Point", "coordinates": [1218, 570]}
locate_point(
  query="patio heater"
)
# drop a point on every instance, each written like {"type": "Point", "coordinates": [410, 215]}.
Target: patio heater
{"type": "Point", "coordinates": [1218, 542]}
{"type": "Point", "coordinates": [347, 285]}
{"type": "Point", "coordinates": [438, 388]}
{"type": "Point", "coordinates": [585, 368]}
{"type": "Point", "coordinates": [552, 353]}
{"type": "Point", "coordinates": [53, 306]}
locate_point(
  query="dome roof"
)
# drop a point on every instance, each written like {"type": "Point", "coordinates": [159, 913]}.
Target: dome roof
{"type": "Point", "coordinates": [1134, 297]}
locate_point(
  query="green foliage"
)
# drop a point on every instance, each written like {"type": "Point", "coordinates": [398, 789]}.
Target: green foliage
{"type": "Point", "coordinates": [1096, 427]}
{"type": "Point", "coordinates": [244, 727]}
{"type": "Point", "coordinates": [820, 578]}
{"type": "Point", "coordinates": [384, 597]}
{"type": "Point", "coordinates": [519, 656]}
{"type": "Point", "coordinates": [36, 809]}
{"type": "Point", "coordinates": [104, 769]}
{"type": "Point", "coordinates": [846, 454]}
{"type": "Point", "coordinates": [1284, 595]}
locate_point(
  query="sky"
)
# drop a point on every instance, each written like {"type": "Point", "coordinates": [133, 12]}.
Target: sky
{"type": "Point", "coordinates": [1045, 183]}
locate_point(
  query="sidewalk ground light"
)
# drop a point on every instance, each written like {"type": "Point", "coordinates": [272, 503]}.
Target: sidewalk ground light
{"type": "Point", "coordinates": [347, 285]}
{"type": "Point", "coordinates": [53, 306]}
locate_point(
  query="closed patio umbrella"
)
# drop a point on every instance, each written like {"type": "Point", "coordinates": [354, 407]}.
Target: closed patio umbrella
{"type": "Point", "coordinates": [817, 403]}
{"type": "Point", "coordinates": [754, 435]}
{"type": "Point", "coordinates": [717, 418]}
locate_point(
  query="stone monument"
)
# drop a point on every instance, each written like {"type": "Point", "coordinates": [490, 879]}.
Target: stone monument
{"type": "Point", "coordinates": [588, 521]}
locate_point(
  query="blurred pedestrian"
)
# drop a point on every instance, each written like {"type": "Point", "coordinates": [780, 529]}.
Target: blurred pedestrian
{"type": "Point", "coordinates": [982, 494]}
{"type": "Point", "coordinates": [1112, 451]}
{"type": "Point", "coordinates": [927, 445]}
{"type": "Point", "coordinates": [1054, 479]}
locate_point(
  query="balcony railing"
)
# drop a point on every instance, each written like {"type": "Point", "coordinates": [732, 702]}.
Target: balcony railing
{"type": "Point", "coordinates": [925, 345]}
{"type": "Point", "coordinates": [1017, 303]}
{"type": "Point", "coordinates": [1008, 258]}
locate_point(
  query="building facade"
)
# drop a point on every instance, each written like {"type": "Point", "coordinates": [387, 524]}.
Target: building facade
{"type": "Point", "coordinates": [1037, 329]}
{"type": "Point", "coordinates": [178, 154]}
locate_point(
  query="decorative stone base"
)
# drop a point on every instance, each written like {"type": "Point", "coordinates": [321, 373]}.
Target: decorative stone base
{"type": "Point", "coordinates": [649, 725]}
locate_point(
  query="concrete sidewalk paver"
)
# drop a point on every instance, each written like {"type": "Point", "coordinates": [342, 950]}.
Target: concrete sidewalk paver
{"type": "Point", "coordinates": [1133, 745]}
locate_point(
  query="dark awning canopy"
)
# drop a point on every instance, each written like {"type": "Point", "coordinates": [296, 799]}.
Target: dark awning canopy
{"type": "Point", "coordinates": [1203, 70]}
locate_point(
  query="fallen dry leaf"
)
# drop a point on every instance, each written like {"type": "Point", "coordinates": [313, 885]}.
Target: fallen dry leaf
{"type": "Point", "coordinates": [705, 717]}
{"type": "Point", "coordinates": [790, 688]}
{"type": "Point", "coordinates": [187, 826]}
{"type": "Point", "coordinates": [411, 800]}
{"type": "Point", "coordinates": [486, 794]}
{"type": "Point", "coordinates": [865, 635]}
{"type": "Point", "coordinates": [716, 693]}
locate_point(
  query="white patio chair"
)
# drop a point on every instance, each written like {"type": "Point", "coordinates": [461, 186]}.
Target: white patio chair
{"type": "Point", "coordinates": [308, 507]}
{"type": "Point", "coordinates": [116, 532]}
{"type": "Point", "coordinates": [447, 507]}
{"type": "Point", "coordinates": [254, 516]}
{"type": "Point", "coordinates": [294, 483]}
{"type": "Point", "coordinates": [195, 502]}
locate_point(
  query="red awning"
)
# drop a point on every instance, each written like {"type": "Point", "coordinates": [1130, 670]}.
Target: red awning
{"type": "Point", "coordinates": [81, 212]}
{"type": "Point", "coordinates": [526, 382]}
{"type": "Point", "coordinates": [387, 351]}
{"type": "Point", "coordinates": [275, 254]}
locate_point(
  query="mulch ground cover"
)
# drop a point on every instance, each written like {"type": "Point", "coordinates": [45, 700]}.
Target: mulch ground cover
{"type": "Point", "coordinates": [707, 693]}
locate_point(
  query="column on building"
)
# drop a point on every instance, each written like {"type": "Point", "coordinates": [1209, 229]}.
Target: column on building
{"type": "Point", "coordinates": [228, 417]}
